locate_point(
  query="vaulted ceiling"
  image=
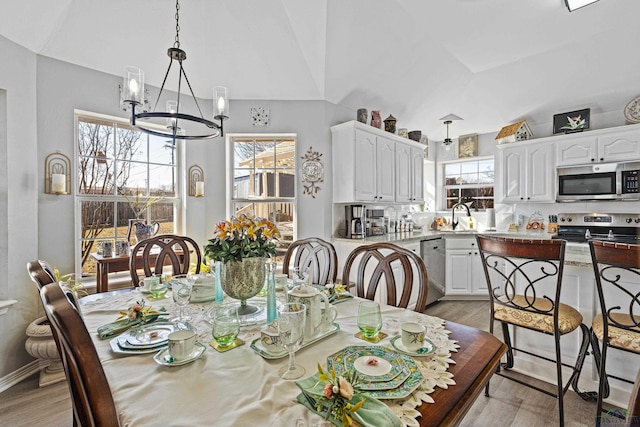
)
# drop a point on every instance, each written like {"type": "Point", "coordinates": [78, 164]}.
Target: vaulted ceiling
{"type": "Point", "coordinates": [492, 62]}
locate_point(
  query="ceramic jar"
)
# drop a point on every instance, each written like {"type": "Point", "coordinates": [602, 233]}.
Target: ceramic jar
{"type": "Point", "coordinates": [375, 119]}
{"type": "Point", "coordinates": [362, 115]}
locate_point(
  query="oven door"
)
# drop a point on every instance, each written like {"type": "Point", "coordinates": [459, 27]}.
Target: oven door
{"type": "Point", "coordinates": [587, 186]}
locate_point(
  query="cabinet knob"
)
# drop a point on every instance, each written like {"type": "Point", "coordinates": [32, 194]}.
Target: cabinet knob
{"type": "Point", "coordinates": [473, 244]}
{"type": "Point", "coordinates": [593, 160]}
{"type": "Point", "coordinates": [602, 159]}
{"type": "Point", "coordinates": [528, 198]}
{"type": "Point", "coordinates": [521, 198]}
{"type": "Point", "coordinates": [469, 253]}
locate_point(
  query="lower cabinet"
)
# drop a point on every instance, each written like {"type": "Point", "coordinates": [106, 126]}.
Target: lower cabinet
{"type": "Point", "coordinates": [464, 274]}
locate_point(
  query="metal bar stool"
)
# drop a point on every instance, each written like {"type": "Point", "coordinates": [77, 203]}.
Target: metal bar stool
{"type": "Point", "coordinates": [617, 270]}
{"type": "Point", "coordinates": [518, 272]}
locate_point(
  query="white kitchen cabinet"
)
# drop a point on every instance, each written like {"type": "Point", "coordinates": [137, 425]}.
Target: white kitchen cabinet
{"type": "Point", "coordinates": [409, 174]}
{"type": "Point", "coordinates": [365, 161]}
{"type": "Point", "coordinates": [526, 174]}
{"type": "Point", "coordinates": [621, 145]}
{"type": "Point", "coordinates": [464, 273]}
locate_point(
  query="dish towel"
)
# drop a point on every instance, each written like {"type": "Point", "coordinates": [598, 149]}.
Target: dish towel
{"type": "Point", "coordinates": [110, 330]}
{"type": "Point", "coordinates": [373, 413]}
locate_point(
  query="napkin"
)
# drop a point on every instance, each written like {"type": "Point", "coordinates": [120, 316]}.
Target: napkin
{"type": "Point", "coordinates": [116, 328]}
{"type": "Point", "coordinates": [340, 297]}
{"type": "Point", "coordinates": [373, 413]}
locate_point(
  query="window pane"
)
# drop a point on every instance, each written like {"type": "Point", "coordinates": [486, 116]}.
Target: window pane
{"type": "Point", "coordinates": [452, 169]}
{"type": "Point", "coordinates": [97, 219]}
{"type": "Point", "coordinates": [241, 185]}
{"type": "Point", "coordinates": [132, 176]}
{"type": "Point", "coordinates": [469, 178]}
{"type": "Point", "coordinates": [162, 180]}
{"type": "Point", "coordinates": [163, 214]}
{"type": "Point", "coordinates": [286, 183]}
{"type": "Point", "coordinates": [131, 144]}
{"type": "Point", "coordinates": [162, 150]}
{"type": "Point", "coordinates": [468, 167]}
{"type": "Point", "coordinates": [95, 176]}
{"type": "Point", "coordinates": [243, 154]}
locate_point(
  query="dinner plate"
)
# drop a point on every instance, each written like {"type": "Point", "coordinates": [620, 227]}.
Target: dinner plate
{"type": "Point", "coordinates": [147, 336]}
{"type": "Point", "coordinates": [163, 358]}
{"type": "Point", "coordinates": [115, 347]}
{"type": "Point", "coordinates": [427, 347]}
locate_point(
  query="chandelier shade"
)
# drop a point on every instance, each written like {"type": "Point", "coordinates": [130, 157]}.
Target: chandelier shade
{"type": "Point", "coordinates": [133, 100]}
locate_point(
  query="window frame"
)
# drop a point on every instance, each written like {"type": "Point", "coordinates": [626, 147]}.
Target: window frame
{"type": "Point", "coordinates": [460, 187]}
{"type": "Point", "coordinates": [79, 198]}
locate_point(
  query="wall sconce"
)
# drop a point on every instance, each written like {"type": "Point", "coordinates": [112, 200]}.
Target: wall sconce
{"type": "Point", "coordinates": [196, 181]}
{"type": "Point", "coordinates": [57, 174]}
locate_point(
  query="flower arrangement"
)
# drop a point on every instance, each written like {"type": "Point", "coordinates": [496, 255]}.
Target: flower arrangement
{"type": "Point", "coordinates": [140, 204]}
{"type": "Point", "coordinates": [138, 311]}
{"type": "Point", "coordinates": [338, 392]}
{"type": "Point", "coordinates": [333, 290]}
{"type": "Point", "coordinates": [241, 237]}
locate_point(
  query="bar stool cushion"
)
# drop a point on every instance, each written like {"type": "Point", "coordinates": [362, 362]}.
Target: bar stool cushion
{"type": "Point", "coordinates": [627, 339]}
{"type": "Point", "coordinates": [569, 319]}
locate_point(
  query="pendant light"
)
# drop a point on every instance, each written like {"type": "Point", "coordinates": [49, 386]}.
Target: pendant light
{"type": "Point", "coordinates": [448, 119]}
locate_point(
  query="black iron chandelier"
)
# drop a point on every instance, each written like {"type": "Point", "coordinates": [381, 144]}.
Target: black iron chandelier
{"type": "Point", "coordinates": [133, 96]}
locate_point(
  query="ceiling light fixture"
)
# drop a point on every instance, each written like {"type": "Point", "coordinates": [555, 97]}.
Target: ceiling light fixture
{"type": "Point", "coordinates": [133, 95]}
{"type": "Point", "coordinates": [577, 4]}
{"type": "Point", "coordinates": [448, 119]}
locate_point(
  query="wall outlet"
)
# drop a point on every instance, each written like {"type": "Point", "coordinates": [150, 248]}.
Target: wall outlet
{"type": "Point", "coordinates": [520, 220]}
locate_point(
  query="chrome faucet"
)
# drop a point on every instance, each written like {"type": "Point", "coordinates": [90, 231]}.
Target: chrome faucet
{"type": "Point", "coordinates": [454, 223]}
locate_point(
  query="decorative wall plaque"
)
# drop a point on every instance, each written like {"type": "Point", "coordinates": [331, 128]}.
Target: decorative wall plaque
{"type": "Point", "coordinates": [312, 172]}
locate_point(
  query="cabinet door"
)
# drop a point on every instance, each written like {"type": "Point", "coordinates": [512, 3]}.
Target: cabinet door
{"type": "Point", "coordinates": [540, 176]}
{"type": "Point", "coordinates": [513, 174]}
{"type": "Point", "coordinates": [457, 278]}
{"type": "Point", "coordinates": [365, 167]}
{"type": "Point", "coordinates": [417, 175]}
{"type": "Point", "coordinates": [619, 146]}
{"type": "Point", "coordinates": [478, 280]}
{"type": "Point", "coordinates": [403, 173]}
{"type": "Point", "coordinates": [385, 170]}
{"type": "Point", "coordinates": [578, 151]}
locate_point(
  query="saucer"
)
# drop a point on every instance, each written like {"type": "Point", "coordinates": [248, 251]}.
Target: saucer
{"type": "Point", "coordinates": [163, 358]}
{"type": "Point", "coordinates": [427, 347]}
{"type": "Point", "coordinates": [150, 335]}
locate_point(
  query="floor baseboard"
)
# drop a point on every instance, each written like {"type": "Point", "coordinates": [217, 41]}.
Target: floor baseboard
{"type": "Point", "coordinates": [16, 376]}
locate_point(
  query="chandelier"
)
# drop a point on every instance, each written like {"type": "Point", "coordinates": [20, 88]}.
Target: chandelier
{"type": "Point", "coordinates": [133, 97]}
{"type": "Point", "coordinates": [448, 119]}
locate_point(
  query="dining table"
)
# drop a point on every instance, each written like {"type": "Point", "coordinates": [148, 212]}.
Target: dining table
{"type": "Point", "coordinates": [241, 387]}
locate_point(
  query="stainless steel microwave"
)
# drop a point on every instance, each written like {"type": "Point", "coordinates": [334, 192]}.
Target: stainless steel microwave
{"type": "Point", "coordinates": [604, 181]}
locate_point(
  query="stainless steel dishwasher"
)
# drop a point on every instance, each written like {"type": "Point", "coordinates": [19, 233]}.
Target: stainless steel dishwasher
{"type": "Point", "coordinates": [433, 254]}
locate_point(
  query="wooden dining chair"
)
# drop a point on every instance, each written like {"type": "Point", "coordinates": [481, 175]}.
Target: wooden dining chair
{"type": "Point", "coordinates": [91, 397]}
{"type": "Point", "coordinates": [386, 270]}
{"type": "Point", "coordinates": [617, 271]}
{"type": "Point", "coordinates": [151, 255]}
{"type": "Point", "coordinates": [524, 278]}
{"type": "Point", "coordinates": [316, 254]}
{"type": "Point", "coordinates": [41, 273]}
{"type": "Point", "coordinates": [633, 410]}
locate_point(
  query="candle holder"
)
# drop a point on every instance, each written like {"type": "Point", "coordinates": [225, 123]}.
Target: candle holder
{"type": "Point", "coordinates": [196, 181]}
{"type": "Point", "coordinates": [57, 174]}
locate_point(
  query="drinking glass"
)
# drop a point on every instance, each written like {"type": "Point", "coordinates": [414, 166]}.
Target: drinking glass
{"type": "Point", "coordinates": [369, 319]}
{"type": "Point", "coordinates": [181, 287]}
{"type": "Point", "coordinates": [291, 318]}
{"type": "Point", "coordinates": [226, 325]}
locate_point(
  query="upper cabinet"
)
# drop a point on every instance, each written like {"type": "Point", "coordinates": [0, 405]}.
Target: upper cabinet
{"type": "Point", "coordinates": [586, 148]}
{"type": "Point", "coordinates": [526, 174]}
{"type": "Point", "coordinates": [365, 161]}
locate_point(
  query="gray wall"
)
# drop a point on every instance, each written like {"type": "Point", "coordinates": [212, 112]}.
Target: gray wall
{"type": "Point", "coordinates": [42, 94]}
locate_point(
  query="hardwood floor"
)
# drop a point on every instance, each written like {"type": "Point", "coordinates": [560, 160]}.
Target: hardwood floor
{"type": "Point", "coordinates": [510, 404]}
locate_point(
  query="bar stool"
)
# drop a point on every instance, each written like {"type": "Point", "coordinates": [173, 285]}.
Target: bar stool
{"type": "Point", "coordinates": [617, 270]}
{"type": "Point", "coordinates": [518, 272]}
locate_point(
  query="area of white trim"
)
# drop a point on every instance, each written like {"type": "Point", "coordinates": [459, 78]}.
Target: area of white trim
{"type": "Point", "coordinates": [15, 377]}
{"type": "Point", "coordinates": [5, 305]}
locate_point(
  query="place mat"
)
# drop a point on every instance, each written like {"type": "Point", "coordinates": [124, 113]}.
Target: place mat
{"type": "Point", "coordinates": [377, 339]}
{"type": "Point", "coordinates": [237, 343]}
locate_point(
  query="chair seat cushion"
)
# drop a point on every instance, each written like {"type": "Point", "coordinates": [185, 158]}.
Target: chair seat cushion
{"type": "Point", "coordinates": [568, 317]}
{"type": "Point", "coordinates": [627, 339]}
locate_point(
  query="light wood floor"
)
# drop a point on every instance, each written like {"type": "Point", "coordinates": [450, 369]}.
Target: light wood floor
{"type": "Point", "coordinates": [510, 404]}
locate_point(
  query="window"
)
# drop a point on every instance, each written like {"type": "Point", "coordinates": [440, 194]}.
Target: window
{"type": "Point", "coordinates": [469, 181]}
{"type": "Point", "coordinates": [122, 174]}
{"type": "Point", "coordinates": [264, 181]}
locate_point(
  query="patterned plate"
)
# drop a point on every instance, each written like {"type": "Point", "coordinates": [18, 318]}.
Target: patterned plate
{"type": "Point", "coordinates": [147, 336]}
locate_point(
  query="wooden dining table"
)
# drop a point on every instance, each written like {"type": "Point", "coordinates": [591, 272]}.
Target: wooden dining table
{"type": "Point", "coordinates": [239, 387]}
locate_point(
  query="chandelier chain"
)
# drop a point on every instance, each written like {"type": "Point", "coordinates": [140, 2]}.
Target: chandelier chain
{"type": "Point", "coordinates": [176, 43]}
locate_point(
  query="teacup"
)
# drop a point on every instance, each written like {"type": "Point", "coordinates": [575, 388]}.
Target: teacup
{"type": "Point", "coordinates": [181, 344]}
{"type": "Point", "coordinates": [328, 318]}
{"type": "Point", "coordinates": [270, 339]}
{"type": "Point", "coordinates": [412, 335]}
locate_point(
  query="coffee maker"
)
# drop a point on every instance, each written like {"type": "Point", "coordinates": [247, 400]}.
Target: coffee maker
{"type": "Point", "coordinates": [354, 216]}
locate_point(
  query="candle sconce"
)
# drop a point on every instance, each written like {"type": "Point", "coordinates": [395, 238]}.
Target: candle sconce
{"type": "Point", "coordinates": [57, 174]}
{"type": "Point", "coordinates": [196, 181]}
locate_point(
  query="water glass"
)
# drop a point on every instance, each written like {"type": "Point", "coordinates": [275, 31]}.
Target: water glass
{"type": "Point", "coordinates": [226, 325]}
{"type": "Point", "coordinates": [157, 288]}
{"type": "Point", "coordinates": [369, 319]}
{"type": "Point", "coordinates": [181, 287]}
{"type": "Point", "coordinates": [291, 319]}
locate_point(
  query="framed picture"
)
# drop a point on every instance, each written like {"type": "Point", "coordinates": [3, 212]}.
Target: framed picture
{"type": "Point", "coordinates": [468, 145]}
{"type": "Point", "coordinates": [573, 121]}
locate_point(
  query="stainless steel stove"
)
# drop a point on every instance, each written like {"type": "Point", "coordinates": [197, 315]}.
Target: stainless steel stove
{"type": "Point", "coordinates": [578, 227]}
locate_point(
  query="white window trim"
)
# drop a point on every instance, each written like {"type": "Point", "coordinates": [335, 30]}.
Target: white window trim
{"type": "Point", "coordinates": [440, 178]}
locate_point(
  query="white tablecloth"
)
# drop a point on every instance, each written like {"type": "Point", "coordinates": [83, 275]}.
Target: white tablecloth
{"type": "Point", "coordinates": [239, 387]}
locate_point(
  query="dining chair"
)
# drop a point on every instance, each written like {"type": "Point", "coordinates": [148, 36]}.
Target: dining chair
{"type": "Point", "coordinates": [41, 273]}
{"type": "Point", "coordinates": [617, 272]}
{"type": "Point", "coordinates": [317, 255]}
{"type": "Point", "coordinates": [633, 410]}
{"type": "Point", "coordinates": [524, 279]}
{"type": "Point", "coordinates": [91, 397]}
{"type": "Point", "coordinates": [151, 255]}
{"type": "Point", "coordinates": [387, 270]}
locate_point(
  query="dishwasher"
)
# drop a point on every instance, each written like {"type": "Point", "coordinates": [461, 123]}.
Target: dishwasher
{"type": "Point", "coordinates": [433, 254]}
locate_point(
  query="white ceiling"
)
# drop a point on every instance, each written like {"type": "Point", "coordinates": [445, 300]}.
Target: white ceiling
{"type": "Point", "coordinates": [491, 62]}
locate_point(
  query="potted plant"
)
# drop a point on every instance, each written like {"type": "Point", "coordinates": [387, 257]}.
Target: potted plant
{"type": "Point", "coordinates": [241, 245]}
